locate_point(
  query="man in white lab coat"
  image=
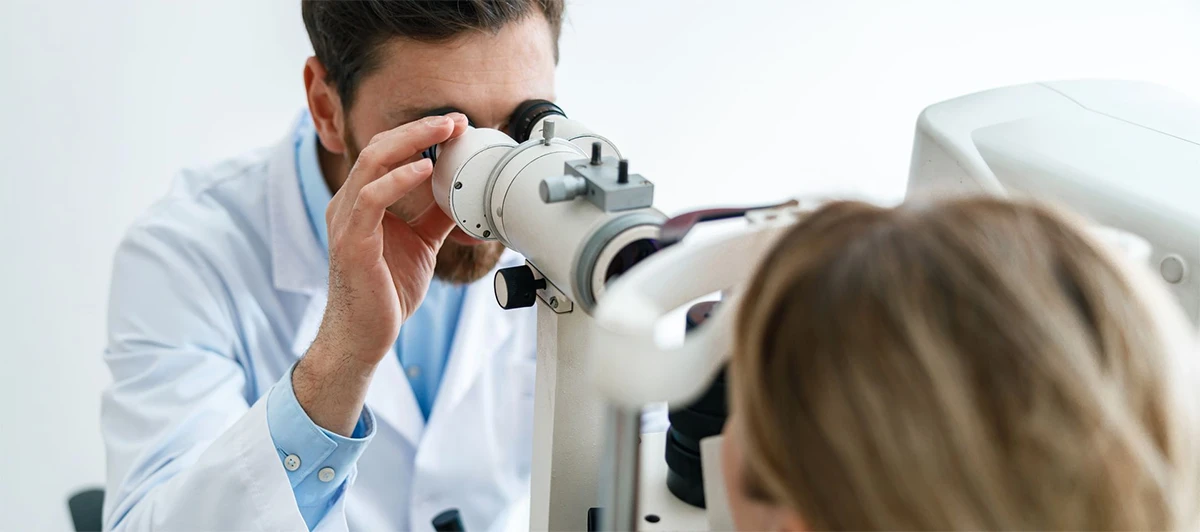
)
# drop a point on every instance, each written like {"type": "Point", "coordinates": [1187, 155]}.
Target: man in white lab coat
{"type": "Point", "coordinates": [296, 336]}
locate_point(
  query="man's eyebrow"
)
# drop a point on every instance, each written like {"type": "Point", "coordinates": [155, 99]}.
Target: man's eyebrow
{"type": "Point", "coordinates": [402, 115]}
{"type": "Point", "coordinates": [409, 114]}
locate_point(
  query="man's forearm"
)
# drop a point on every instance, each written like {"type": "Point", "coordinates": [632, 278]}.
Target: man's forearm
{"type": "Point", "coordinates": [331, 388]}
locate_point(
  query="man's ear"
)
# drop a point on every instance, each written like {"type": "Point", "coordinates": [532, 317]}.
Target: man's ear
{"type": "Point", "coordinates": [325, 106]}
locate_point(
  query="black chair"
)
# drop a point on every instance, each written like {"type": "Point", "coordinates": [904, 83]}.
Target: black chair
{"type": "Point", "coordinates": [87, 509]}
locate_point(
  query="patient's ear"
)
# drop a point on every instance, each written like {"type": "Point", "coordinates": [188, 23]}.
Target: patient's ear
{"type": "Point", "coordinates": [791, 522]}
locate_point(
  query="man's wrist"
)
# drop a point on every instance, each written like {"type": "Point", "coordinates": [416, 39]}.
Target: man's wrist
{"type": "Point", "coordinates": [331, 388]}
{"type": "Point", "coordinates": [333, 360]}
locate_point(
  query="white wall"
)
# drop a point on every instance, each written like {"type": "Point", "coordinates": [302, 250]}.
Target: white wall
{"type": "Point", "coordinates": [101, 102]}
{"type": "Point", "coordinates": [716, 101]}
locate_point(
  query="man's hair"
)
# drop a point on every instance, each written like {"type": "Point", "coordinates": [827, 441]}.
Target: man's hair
{"type": "Point", "coordinates": [346, 35]}
{"type": "Point", "coordinates": [974, 364]}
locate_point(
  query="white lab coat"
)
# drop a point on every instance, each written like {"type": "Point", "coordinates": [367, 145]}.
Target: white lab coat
{"type": "Point", "coordinates": [216, 292]}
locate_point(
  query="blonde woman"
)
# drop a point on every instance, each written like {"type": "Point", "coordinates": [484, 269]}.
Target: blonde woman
{"type": "Point", "coordinates": [974, 364]}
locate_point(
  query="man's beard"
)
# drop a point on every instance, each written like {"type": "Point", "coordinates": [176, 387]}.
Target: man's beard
{"type": "Point", "coordinates": [462, 264]}
{"type": "Point", "coordinates": [456, 263]}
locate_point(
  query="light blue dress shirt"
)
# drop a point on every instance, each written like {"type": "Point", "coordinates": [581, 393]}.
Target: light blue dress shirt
{"type": "Point", "coordinates": [321, 459]}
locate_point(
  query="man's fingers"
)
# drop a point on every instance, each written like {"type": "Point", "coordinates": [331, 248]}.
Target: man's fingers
{"type": "Point", "coordinates": [460, 124]}
{"type": "Point", "coordinates": [393, 147]}
{"type": "Point", "coordinates": [459, 121]}
{"type": "Point", "coordinates": [432, 224]}
{"type": "Point", "coordinates": [376, 196]}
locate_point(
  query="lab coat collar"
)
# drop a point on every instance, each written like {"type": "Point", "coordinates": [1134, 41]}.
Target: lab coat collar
{"type": "Point", "coordinates": [483, 330]}
{"type": "Point", "coordinates": [389, 395]}
{"type": "Point", "coordinates": [298, 263]}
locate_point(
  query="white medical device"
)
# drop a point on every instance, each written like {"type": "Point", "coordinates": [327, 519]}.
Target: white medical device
{"type": "Point", "coordinates": [1125, 154]}
{"type": "Point", "coordinates": [561, 196]}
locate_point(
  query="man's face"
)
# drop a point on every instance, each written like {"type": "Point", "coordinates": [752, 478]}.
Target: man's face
{"type": "Point", "coordinates": [483, 75]}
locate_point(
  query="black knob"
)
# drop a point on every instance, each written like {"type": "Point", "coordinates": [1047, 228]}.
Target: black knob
{"type": "Point", "coordinates": [596, 152]}
{"type": "Point", "coordinates": [517, 288]}
{"type": "Point", "coordinates": [448, 521]}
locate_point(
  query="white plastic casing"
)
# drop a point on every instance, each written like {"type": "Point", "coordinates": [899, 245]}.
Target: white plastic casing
{"type": "Point", "coordinates": [576, 133]}
{"type": "Point", "coordinates": [1125, 154]}
{"type": "Point", "coordinates": [461, 174]}
{"type": "Point", "coordinates": [550, 235]}
{"type": "Point", "coordinates": [489, 184]}
{"type": "Point", "coordinates": [625, 357]}
{"type": "Point", "coordinates": [514, 192]}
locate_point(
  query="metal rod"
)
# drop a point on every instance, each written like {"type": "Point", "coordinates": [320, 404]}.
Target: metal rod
{"type": "Point", "coordinates": [619, 470]}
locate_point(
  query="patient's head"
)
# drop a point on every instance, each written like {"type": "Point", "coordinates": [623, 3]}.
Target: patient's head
{"type": "Point", "coordinates": [975, 364]}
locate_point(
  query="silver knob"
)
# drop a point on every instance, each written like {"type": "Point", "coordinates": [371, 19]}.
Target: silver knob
{"type": "Point", "coordinates": [561, 188]}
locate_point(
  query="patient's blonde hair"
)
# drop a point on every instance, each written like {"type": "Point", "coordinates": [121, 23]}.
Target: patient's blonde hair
{"type": "Point", "coordinates": [972, 364]}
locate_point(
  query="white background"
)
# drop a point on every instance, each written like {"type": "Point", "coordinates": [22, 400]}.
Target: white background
{"type": "Point", "coordinates": [102, 101]}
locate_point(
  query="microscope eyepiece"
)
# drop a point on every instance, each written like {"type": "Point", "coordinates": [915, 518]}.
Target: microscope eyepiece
{"type": "Point", "coordinates": [527, 115]}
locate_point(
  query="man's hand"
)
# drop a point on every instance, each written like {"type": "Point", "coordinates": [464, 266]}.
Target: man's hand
{"type": "Point", "coordinates": [380, 267]}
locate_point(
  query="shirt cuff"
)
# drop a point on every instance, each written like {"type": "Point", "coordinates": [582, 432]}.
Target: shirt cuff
{"type": "Point", "coordinates": [317, 461]}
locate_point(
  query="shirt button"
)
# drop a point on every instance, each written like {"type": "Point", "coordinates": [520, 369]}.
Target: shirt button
{"type": "Point", "coordinates": [291, 462]}
{"type": "Point", "coordinates": [325, 474]}
{"type": "Point", "coordinates": [414, 371]}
